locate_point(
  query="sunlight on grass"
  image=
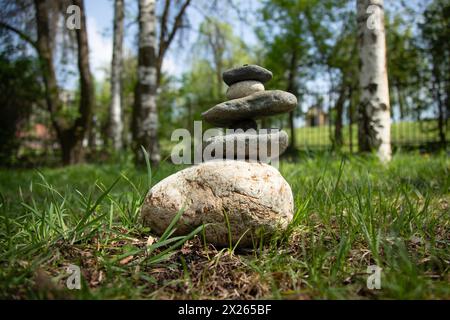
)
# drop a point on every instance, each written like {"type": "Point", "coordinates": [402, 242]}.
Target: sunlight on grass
{"type": "Point", "coordinates": [350, 213]}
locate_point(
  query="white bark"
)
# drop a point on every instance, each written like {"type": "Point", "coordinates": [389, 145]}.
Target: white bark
{"type": "Point", "coordinates": [375, 120]}
{"type": "Point", "coordinates": [147, 121]}
{"type": "Point", "coordinates": [116, 122]}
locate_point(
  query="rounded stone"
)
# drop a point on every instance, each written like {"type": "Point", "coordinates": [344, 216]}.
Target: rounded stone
{"type": "Point", "coordinates": [247, 72]}
{"type": "Point", "coordinates": [243, 89]}
{"type": "Point", "coordinates": [255, 106]}
{"type": "Point", "coordinates": [237, 200]}
{"type": "Point", "coordinates": [267, 144]}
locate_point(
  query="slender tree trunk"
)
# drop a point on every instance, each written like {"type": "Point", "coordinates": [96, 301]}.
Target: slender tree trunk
{"type": "Point", "coordinates": [47, 67]}
{"type": "Point", "coordinates": [350, 117]}
{"type": "Point", "coordinates": [401, 105]}
{"type": "Point", "coordinates": [54, 105]}
{"type": "Point", "coordinates": [292, 88]}
{"type": "Point", "coordinates": [70, 137]}
{"type": "Point", "coordinates": [217, 44]}
{"type": "Point", "coordinates": [440, 105]}
{"type": "Point", "coordinates": [146, 113]}
{"type": "Point", "coordinates": [190, 124]}
{"type": "Point", "coordinates": [219, 78]}
{"type": "Point", "coordinates": [374, 109]}
{"type": "Point", "coordinates": [92, 134]}
{"type": "Point", "coordinates": [339, 107]}
{"type": "Point", "coordinates": [87, 100]}
{"type": "Point", "coordinates": [292, 130]}
{"type": "Point", "coordinates": [115, 112]}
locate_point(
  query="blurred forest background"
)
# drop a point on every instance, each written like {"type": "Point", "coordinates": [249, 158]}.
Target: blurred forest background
{"type": "Point", "coordinates": [85, 83]}
{"type": "Point", "coordinates": [61, 104]}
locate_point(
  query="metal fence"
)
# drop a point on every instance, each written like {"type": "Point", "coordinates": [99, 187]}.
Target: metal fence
{"type": "Point", "coordinates": [317, 132]}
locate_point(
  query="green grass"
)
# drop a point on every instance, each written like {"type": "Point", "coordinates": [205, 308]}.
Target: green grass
{"type": "Point", "coordinates": [403, 133]}
{"type": "Point", "coordinates": [350, 213]}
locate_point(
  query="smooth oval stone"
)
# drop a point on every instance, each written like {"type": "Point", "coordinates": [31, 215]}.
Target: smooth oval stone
{"type": "Point", "coordinates": [255, 106]}
{"type": "Point", "coordinates": [243, 89]}
{"type": "Point", "coordinates": [236, 198]}
{"type": "Point", "coordinates": [246, 72]}
{"type": "Point", "coordinates": [251, 145]}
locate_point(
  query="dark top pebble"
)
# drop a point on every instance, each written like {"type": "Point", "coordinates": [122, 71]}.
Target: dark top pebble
{"type": "Point", "coordinates": [246, 72]}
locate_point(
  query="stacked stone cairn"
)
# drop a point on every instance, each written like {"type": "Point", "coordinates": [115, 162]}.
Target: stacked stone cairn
{"type": "Point", "coordinates": [248, 101]}
{"type": "Point", "coordinates": [240, 201]}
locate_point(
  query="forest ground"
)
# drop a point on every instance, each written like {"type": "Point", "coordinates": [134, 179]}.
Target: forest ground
{"type": "Point", "coordinates": [351, 212]}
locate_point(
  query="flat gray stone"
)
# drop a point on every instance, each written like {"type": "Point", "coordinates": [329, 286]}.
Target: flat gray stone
{"type": "Point", "coordinates": [246, 72]}
{"type": "Point", "coordinates": [251, 145]}
{"type": "Point", "coordinates": [258, 105]}
{"type": "Point", "coordinates": [244, 88]}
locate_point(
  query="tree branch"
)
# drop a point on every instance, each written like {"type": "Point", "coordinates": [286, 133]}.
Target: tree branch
{"type": "Point", "coordinates": [162, 36]}
{"type": "Point", "coordinates": [176, 26]}
{"type": "Point", "coordinates": [164, 18]}
{"type": "Point", "coordinates": [20, 33]}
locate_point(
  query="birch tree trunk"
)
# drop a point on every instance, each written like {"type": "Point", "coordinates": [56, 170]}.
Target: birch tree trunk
{"type": "Point", "coordinates": [115, 112]}
{"type": "Point", "coordinates": [146, 113]}
{"type": "Point", "coordinates": [374, 110]}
